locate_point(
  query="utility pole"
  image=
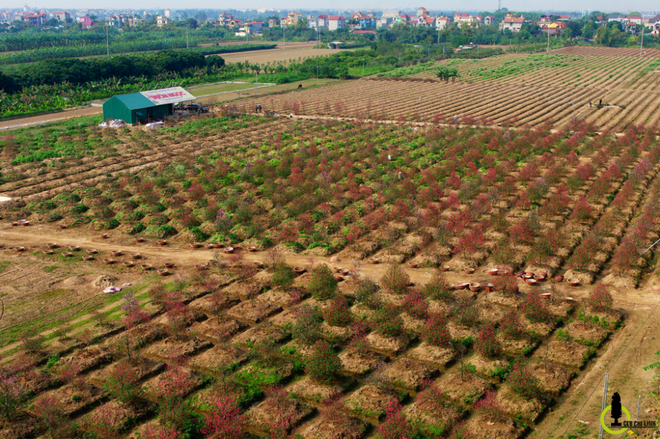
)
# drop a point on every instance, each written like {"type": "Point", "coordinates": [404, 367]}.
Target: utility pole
{"type": "Point", "coordinates": [548, 50]}
{"type": "Point", "coordinates": [317, 75]}
{"type": "Point", "coordinates": [284, 33]}
{"type": "Point", "coordinates": [419, 110]}
{"type": "Point", "coordinates": [187, 37]}
{"type": "Point", "coordinates": [600, 434]}
{"type": "Point", "coordinates": [642, 45]}
{"type": "Point", "coordinates": [107, 41]}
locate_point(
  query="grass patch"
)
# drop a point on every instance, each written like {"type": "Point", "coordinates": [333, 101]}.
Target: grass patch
{"type": "Point", "coordinates": [51, 268]}
{"type": "Point", "coordinates": [53, 294]}
{"type": "Point", "coordinates": [4, 265]}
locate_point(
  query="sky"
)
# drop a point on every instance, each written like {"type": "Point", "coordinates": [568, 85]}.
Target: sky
{"type": "Point", "coordinates": [443, 5]}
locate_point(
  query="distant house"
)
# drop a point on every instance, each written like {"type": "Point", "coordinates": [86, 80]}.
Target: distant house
{"type": "Point", "coordinates": [133, 21]}
{"type": "Point", "coordinates": [35, 18]}
{"type": "Point", "coordinates": [423, 12]}
{"type": "Point", "coordinates": [513, 23]}
{"type": "Point", "coordinates": [116, 20]}
{"type": "Point", "coordinates": [85, 21]}
{"type": "Point", "coordinates": [320, 22]}
{"type": "Point", "coordinates": [615, 17]}
{"type": "Point", "coordinates": [489, 19]}
{"type": "Point", "coordinates": [634, 20]}
{"type": "Point", "coordinates": [292, 19]}
{"type": "Point", "coordinates": [161, 20]}
{"type": "Point", "coordinates": [383, 22]}
{"type": "Point", "coordinates": [367, 21]}
{"type": "Point", "coordinates": [654, 25]}
{"type": "Point", "coordinates": [235, 22]}
{"type": "Point", "coordinates": [254, 27]}
{"type": "Point", "coordinates": [224, 19]}
{"type": "Point", "coordinates": [424, 21]}
{"type": "Point", "coordinates": [401, 19]}
{"type": "Point", "coordinates": [465, 18]}
{"type": "Point", "coordinates": [272, 22]}
{"type": "Point", "coordinates": [336, 22]}
{"type": "Point", "coordinates": [62, 16]}
{"type": "Point", "coordinates": [442, 22]}
{"type": "Point", "coordinates": [362, 32]}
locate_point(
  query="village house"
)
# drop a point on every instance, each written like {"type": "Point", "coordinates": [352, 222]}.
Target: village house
{"type": "Point", "coordinates": [224, 19]}
{"type": "Point", "coordinates": [465, 18]}
{"type": "Point", "coordinates": [489, 19]}
{"type": "Point", "coordinates": [336, 22]}
{"type": "Point", "coordinates": [35, 18]}
{"type": "Point", "coordinates": [513, 23]}
{"type": "Point", "coordinates": [442, 22]}
{"type": "Point", "coordinates": [291, 19]}
{"type": "Point", "coordinates": [85, 21]}
{"type": "Point", "coordinates": [63, 16]}
{"type": "Point", "coordinates": [162, 20]}
{"type": "Point", "coordinates": [654, 25]}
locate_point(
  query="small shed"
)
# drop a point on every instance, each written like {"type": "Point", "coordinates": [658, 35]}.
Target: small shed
{"type": "Point", "coordinates": [145, 106]}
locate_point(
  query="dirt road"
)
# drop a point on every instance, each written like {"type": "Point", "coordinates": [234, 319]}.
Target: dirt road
{"type": "Point", "coordinates": [47, 118]}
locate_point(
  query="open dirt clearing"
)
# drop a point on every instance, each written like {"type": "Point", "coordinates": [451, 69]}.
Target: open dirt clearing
{"type": "Point", "coordinates": [283, 53]}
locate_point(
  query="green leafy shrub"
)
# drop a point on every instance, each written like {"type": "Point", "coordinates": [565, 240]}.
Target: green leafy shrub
{"type": "Point", "coordinates": [435, 331]}
{"type": "Point", "coordinates": [523, 382]}
{"type": "Point", "coordinates": [307, 327]}
{"type": "Point", "coordinates": [386, 321]}
{"type": "Point", "coordinates": [283, 275]}
{"type": "Point", "coordinates": [438, 288]}
{"type": "Point", "coordinates": [322, 365]}
{"type": "Point", "coordinates": [165, 231]}
{"type": "Point", "coordinates": [600, 299]}
{"type": "Point", "coordinates": [534, 308]}
{"type": "Point", "coordinates": [487, 343]}
{"type": "Point", "coordinates": [338, 313]}
{"type": "Point", "coordinates": [322, 284]}
{"type": "Point", "coordinates": [395, 280]}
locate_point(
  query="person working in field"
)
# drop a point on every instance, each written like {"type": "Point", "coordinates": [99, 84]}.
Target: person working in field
{"type": "Point", "coordinates": [257, 108]}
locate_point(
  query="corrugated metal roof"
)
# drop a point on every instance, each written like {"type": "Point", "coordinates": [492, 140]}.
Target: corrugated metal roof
{"type": "Point", "coordinates": [135, 101]}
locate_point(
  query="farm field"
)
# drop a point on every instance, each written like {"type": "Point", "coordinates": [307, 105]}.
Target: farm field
{"type": "Point", "coordinates": [282, 53]}
{"type": "Point", "coordinates": [515, 89]}
{"type": "Point", "coordinates": [323, 278]}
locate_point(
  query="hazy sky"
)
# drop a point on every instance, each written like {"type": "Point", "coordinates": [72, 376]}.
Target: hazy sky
{"type": "Point", "coordinates": [444, 5]}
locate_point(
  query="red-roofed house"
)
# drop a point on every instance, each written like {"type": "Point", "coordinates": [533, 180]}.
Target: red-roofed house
{"type": "Point", "coordinates": [442, 22]}
{"type": "Point", "coordinates": [465, 18]}
{"type": "Point", "coordinates": [423, 12]}
{"type": "Point", "coordinates": [62, 16]}
{"type": "Point", "coordinates": [85, 21]}
{"type": "Point", "coordinates": [424, 21]}
{"type": "Point", "coordinates": [489, 19]}
{"type": "Point", "coordinates": [35, 18]}
{"type": "Point", "coordinates": [224, 19]}
{"type": "Point", "coordinates": [513, 23]}
{"type": "Point", "coordinates": [635, 20]}
{"type": "Point", "coordinates": [336, 22]}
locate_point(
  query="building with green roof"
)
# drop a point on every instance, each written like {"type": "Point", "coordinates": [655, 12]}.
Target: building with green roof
{"type": "Point", "coordinates": [144, 107]}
